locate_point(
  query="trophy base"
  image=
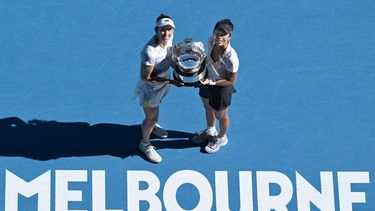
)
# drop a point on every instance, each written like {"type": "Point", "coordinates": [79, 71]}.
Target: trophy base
{"type": "Point", "coordinates": [190, 80]}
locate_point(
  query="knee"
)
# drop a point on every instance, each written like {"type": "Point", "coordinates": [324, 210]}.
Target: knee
{"type": "Point", "coordinates": [151, 121]}
{"type": "Point", "coordinates": [222, 115]}
{"type": "Point", "coordinates": [221, 118]}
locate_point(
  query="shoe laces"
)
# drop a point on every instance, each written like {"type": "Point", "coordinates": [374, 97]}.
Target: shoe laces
{"type": "Point", "coordinates": [150, 148]}
{"type": "Point", "coordinates": [203, 131]}
{"type": "Point", "coordinates": [213, 142]}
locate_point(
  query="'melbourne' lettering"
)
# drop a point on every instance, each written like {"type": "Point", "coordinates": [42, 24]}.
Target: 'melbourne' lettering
{"type": "Point", "coordinates": [305, 194]}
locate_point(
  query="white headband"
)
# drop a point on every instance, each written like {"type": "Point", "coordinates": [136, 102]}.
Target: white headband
{"type": "Point", "coordinates": [164, 22]}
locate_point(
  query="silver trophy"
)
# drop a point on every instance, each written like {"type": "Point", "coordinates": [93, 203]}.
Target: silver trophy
{"type": "Point", "coordinates": [190, 62]}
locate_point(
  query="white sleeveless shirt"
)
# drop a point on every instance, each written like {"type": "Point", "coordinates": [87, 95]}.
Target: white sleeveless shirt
{"type": "Point", "coordinates": [229, 62]}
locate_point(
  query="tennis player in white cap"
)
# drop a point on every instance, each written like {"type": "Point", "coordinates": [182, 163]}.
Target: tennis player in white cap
{"type": "Point", "coordinates": [154, 83]}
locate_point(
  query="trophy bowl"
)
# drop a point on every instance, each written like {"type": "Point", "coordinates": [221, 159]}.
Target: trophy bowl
{"type": "Point", "coordinates": [189, 61]}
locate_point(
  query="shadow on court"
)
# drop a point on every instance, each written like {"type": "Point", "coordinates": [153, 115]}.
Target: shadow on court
{"type": "Point", "coordinates": [45, 140]}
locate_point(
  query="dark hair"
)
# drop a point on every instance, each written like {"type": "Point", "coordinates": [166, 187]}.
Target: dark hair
{"type": "Point", "coordinates": [225, 24]}
{"type": "Point", "coordinates": [161, 16]}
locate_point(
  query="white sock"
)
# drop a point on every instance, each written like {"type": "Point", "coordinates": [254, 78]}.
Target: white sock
{"type": "Point", "coordinates": [211, 129]}
{"type": "Point", "coordinates": [144, 144]}
{"type": "Point", "coordinates": [223, 137]}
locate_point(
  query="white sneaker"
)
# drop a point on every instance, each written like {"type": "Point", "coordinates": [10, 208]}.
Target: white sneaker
{"type": "Point", "coordinates": [150, 152]}
{"type": "Point", "coordinates": [159, 131]}
{"type": "Point", "coordinates": [203, 136]}
{"type": "Point", "coordinates": [215, 143]}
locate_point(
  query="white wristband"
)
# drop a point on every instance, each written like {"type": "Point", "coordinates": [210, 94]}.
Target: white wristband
{"type": "Point", "coordinates": [211, 82]}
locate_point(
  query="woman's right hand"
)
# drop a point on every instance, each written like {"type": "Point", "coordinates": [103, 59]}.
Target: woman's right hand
{"type": "Point", "coordinates": [204, 82]}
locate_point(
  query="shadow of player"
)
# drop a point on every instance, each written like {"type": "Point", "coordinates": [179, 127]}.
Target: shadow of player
{"type": "Point", "coordinates": [45, 140]}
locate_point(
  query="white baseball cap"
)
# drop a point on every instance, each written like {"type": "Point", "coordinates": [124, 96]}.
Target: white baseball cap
{"type": "Point", "coordinates": [164, 22]}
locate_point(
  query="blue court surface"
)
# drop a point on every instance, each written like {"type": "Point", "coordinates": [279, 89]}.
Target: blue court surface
{"type": "Point", "coordinates": [302, 133]}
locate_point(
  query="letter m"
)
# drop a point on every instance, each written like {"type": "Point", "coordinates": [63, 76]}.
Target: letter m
{"type": "Point", "coordinates": [15, 185]}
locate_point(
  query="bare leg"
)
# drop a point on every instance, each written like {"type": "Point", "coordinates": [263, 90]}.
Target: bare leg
{"type": "Point", "coordinates": [224, 121]}
{"type": "Point", "coordinates": [151, 115]}
{"type": "Point", "coordinates": [210, 114]}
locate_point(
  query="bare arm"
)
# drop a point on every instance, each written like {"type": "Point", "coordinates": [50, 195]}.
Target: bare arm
{"type": "Point", "coordinates": [146, 74]}
{"type": "Point", "coordinates": [232, 78]}
{"type": "Point", "coordinates": [227, 82]}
